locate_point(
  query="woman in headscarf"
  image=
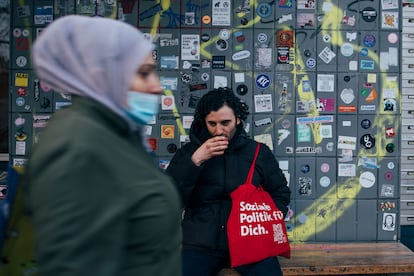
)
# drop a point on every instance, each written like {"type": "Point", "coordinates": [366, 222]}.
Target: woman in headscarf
{"type": "Point", "coordinates": [98, 203]}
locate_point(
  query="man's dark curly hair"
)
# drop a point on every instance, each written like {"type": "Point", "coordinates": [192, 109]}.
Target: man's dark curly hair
{"type": "Point", "coordinates": [216, 99]}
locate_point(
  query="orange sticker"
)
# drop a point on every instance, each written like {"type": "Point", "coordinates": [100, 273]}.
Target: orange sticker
{"type": "Point", "coordinates": [206, 19]}
{"type": "Point", "coordinates": [167, 131]}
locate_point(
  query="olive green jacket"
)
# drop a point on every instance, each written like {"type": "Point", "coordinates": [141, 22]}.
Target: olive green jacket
{"type": "Point", "coordinates": [99, 204]}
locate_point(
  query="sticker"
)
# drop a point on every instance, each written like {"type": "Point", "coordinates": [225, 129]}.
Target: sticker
{"type": "Point", "coordinates": [326, 38]}
{"type": "Point", "coordinates": [242, 89]}
{"type": "Point", "coordinates": [171, 148]}
{"type": "Point", "coordinates": [167, 131]}
{"type": "Point", "coordinates": [167, 102]}
{"type": "Point", "coordinates": [367, 179]}
{"type": "Point", "coordinates": [244, 21]}
{"type": "Point", "coordinates": [305, 168]}
{"type": "Point", "coordinates": [327, 55]}
{"type": "Point", "coordinates": [367, 141]}
{"type": "Point", "coordinates": [388, 176]}
{"type": "Point", "coordinates": [19, 121]}
{"type": "Point", "coordinates": [20, 101]}
{"type": "Point", "coordinates": [17, 32]}
{"type": "Point", "coordinates": [390, 132]}
{"type": "Point", "coordinates": [206, 19]}
{"type": "Point", "coordinates": [262, 81]}
{"type": "Point", "coordinates": [286, 123]}
{"type": "Point", "coordinates": [369, 14]}
{"type": "Point", "coordinates": [240, 55]}
{"type": "Point", "coordinates": [263, 103]}
{"type": "Point", "coordinates": [284, 38]}
{"type": "Point", "coordinates": [224, 34]}
{"type": "Point", "coordinates": [152, 142]}
{"type": "Point", "coordinates": [390, 105]}
{"type": "Point", "coordinates": [347, 95]}
{"type": "Point", "coordinates": [347, 49]}
{"type": "Point", "coordinates": [305, 186]}
{"type": "Point", "coordinates": [392, 38]}
{"type": "Point", "coordinates": [283, 55]}
{"type": "Point", "coordinates": [239, 36]}
{"type": "Point", "coordinates": [262, 37]}
{"type": "Point", "coordinates": [391, 165]}
{"type": "Point", "coordinates": [325, 167]}
{"type": "Point", "coordinates": [365, 123]}
{"type": "Point", "coordinates": [264, 57]}
{"type": "Point", "coordinates": [222, 45]}
{"type": "Point", "coordinates": [264, 10]}
{"type": "Point", "coordinates": [263, 122]}
{"type": "Point", "coordinates": [388, 222]}
{"type": "Point", "coordinates": [205, 37]}
{"type": "Point", "coordinates": [390, 148]}
{"type": "Point", "coordinates": [221, 12]}
{"type": "Point", "coordinates": [310, 63]}
{"type": "Point", "coordinates": [369, 40]}
{"type": "Point", "coordinates": [324, 181]}
{"type": "Point", "coordinates": [387, 190]}
{"type": "Point", "coordinates": [389, 20]}
{"type": "Point", "coordinates": [218, 62]}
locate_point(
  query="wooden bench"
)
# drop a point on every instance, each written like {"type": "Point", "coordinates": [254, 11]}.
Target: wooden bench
{"type": "Point", "coordinates": [345, 259]}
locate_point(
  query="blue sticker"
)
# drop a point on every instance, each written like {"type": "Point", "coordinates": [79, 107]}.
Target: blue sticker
{"type": "Point", "coordinates": [370, 40]}
{"type": "Point", "coordinates": [310, 62]}
{"type": "Point", "coordinates": [263, 81]}
{"type": "Point", "coordinates": [264, 10]}
{"type": "Point", "coordinates": [364, 52]}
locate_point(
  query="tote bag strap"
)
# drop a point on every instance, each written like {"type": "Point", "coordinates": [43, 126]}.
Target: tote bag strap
{"type": "Point", "coordinates": [251, 171]}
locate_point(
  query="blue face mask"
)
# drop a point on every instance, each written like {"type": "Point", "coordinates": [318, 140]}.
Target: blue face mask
{"type": "Point", "coordinates": [142, 106]}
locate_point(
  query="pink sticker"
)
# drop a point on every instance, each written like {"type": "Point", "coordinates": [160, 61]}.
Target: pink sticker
{"type": "Point", "coordinates": [324, 167]}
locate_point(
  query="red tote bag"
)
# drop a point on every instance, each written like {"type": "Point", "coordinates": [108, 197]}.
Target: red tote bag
{"type": "Point", "coordinates": [256, 228]}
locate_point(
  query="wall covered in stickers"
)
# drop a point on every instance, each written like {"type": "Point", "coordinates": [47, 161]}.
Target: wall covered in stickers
{"type": "Point", "coordinates": [322, 80]}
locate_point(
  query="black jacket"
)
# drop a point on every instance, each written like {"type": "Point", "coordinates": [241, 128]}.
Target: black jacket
{"type": "Point", "coordinates": [205, 190]}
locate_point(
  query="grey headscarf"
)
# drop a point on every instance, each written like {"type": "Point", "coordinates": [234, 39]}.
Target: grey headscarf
{"type": "Point", "coordinates": [93, 57]}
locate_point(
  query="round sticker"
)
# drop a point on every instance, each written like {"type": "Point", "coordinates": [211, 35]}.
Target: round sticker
{"type": "Point", "coordinates": [324, 167]}
{"type": "Point", "coordinates": [224, 34]}
{"type": "Point", "coordinates": [390, 148]}
{"type": "Point", "coordinates": [264, 10]}
{"type": "Point", "coordinates": [206, 19]}
{"type": "Point", "coordinates": [364, 52]}
{"type": "Point", "coordinates": [305, 168]}
{"type": "Point", "coordinates": [347, 49]}
{"type": "Point", "coordinates": [347, 78]}
{"type": "Point", "coordinates": [367, 141]}
{"type": "Point", "coordinates": [21, 61]}
{"type": "Point", "coordinates": [17, 32]}
{"type": "Point", "coordinates": [262, 37]}
{"type": "Point", "coordinates": [307, 53]}
{"type": "Point", "coordinates": [370, 40]}
{"type": "Point", "coordinates": [222, 45]}
{"type": "Point", "coordinates": [302, 218]}
{"type": "Point", "coordinates": [286, 123]}
{"type": "Point", "coordinates": [325, 181]}
{"type": "Point", "coordinates": [20, 101]}
{"type": "Point", "coordinates": [392, 38]}
{"type": "Point", "coordinates": [347, 95]}
{"type": "Point", "coordinates": [172, 148]}
{"type": "Point", "coordinates": [242, 89]}
{"type": "Point", "coordinates": [330, 146]}
{"type": "Point", "coordinates": [25, 32]}
{"type": "Point", "coordinates": [263, 81]}
{"type": "Point", "coordinates": [19, 121]}
{"type": "Point", "coordinates": [205, 37]}
{"type": "Point", "coordinates": [310, 62]}
{"type": "Point", "coordinates": [365, 123]}
{"type": "Point", "coordinates": [391, 165]}
{"type": "Point", "coordinates": [244, 21]}
{"type": "Point", "coordinates": [388, 176]}
{"type": "Point", "coordinates": [367, 179]}
{"type": "Point", "coordinates": [369, 14]}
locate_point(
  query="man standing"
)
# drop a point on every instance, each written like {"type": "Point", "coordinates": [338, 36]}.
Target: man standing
{"type": "Point", "coordinates": [207, 169]}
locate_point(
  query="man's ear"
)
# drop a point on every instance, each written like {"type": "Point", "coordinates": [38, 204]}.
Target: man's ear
{"type": "Point", "coordinates": [238, 121]}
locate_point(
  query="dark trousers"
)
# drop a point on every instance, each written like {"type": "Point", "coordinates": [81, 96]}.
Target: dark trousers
{"type": "Point", "coordinates": [198, 263]}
